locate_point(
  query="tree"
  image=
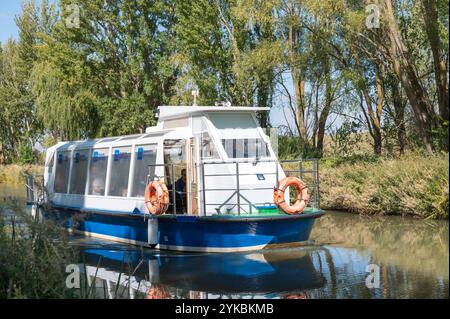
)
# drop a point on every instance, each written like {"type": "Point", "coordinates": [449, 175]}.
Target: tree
{"type": "Point", "coordinates": [404, 69]}
{"type": "Point", "coordinates": [20, 126]}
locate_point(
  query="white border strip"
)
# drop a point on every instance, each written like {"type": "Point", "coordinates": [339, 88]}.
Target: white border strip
{"type": "Point", "coordinates": [108, 237]}
{"type": "Point", "coordinates": [187, 248]}
{"type": "Point", "coordinates": [210, 249]}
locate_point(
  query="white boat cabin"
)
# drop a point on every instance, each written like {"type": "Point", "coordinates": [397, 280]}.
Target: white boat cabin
{"type": "Point", "coordinates": [227, 160]}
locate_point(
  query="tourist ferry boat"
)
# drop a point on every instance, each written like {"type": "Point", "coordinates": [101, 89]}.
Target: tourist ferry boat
{"type": "Point", "coordinates": [205, 178]}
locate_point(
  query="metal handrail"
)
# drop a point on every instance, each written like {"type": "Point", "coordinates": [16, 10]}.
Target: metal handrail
{"type": "Point", "coordinates": [315, 201]}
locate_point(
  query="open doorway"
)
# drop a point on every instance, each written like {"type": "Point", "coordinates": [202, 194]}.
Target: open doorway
{"type": "Point", "coordinates": [175, 166]}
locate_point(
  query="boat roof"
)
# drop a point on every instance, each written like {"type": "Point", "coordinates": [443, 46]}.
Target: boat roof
{"type": "Point", "coordinates": [165, 112]}
{"type": "Point", "coordinates": [170, 112]}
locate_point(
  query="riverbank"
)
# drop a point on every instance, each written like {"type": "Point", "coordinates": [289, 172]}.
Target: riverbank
{"type": "Point", "coordinates": [15, 174]}
{"type": "Point", "coordinates": [414, 185]}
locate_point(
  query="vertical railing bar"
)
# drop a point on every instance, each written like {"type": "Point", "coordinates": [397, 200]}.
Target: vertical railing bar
{"type": "Point", "coordinates": [277, 174]}
{"type": "Point", "coordinates": [203, 187]}
{"type": "Point", "coordinates": [317, 183]}
{"type": "Point", "coordinates": [174, 189]}
{"type": "Point", "coordinates": [300, 164]}
{"type": "Point", "coordinates": [237, 189]}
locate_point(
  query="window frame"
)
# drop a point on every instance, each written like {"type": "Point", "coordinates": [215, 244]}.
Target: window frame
{"type": "Point", "coordinates": [87, 170]}
{"type": "Point", "coordinates": [109, 170]}
{"type": "Point", "coordinates": [155, 144]}
{"type": "Point", "coordinates": [57, 152]}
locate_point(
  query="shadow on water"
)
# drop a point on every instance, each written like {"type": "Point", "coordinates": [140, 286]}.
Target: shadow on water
{"type": "Point", "coordinates": [410, 259]}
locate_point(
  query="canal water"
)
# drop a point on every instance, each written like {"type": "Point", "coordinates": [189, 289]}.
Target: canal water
{"type": "Point", "coordinates": [349, 256]}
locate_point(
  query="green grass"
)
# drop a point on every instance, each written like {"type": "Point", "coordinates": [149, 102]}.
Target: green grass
{"type": "Point", "coordinates": [413, 185]}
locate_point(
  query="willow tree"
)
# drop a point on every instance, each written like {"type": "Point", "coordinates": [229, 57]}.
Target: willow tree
{"type": "Point", "coordinates": [228, 49]}
{"type": "Point", "coordinates": [20, 126]}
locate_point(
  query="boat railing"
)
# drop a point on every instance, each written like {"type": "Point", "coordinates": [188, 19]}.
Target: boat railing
{"type": "Point", "coordinates": [305, 169]}
{"type": "Point", "coordinates": [36, 194]}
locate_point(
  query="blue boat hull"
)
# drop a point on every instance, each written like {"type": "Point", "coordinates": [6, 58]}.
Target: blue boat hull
{"type": "Point", "coordinates": [191, 233]}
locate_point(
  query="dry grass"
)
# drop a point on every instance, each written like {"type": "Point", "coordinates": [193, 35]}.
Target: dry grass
{"type": "Point", "coordinates": [413, 185]}
{"type": "Point", "coordinates": [15, 174]}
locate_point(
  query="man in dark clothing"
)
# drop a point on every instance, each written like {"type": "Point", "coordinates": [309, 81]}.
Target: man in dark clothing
{"type": "Point", "coordinates": [180, 188]}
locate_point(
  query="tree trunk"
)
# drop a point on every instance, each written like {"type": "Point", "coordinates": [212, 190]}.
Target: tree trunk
{"type": "Point", "coordinates": [404, 70]}
{"type": "Point", "coordinates": [297, 81]}
{"type": "Point", "coordinates": [430, 14]}
{"type": "Point", "coordinates": [327, 107]}
{"type": "Point", "coordinates": [399, 116]}
{"type": "Point", "coordinates": [373, 120]}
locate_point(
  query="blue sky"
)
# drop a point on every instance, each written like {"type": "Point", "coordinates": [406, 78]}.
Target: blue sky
{"type": "Point", "coordinates": [9, 9]}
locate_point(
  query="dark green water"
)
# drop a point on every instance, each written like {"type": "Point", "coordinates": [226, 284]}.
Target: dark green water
{"type": "Point", "coordinates": [409, 259]}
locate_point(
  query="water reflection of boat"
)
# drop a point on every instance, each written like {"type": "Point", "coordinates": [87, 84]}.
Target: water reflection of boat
{"type": "Point", "coordinates": [239, 273]}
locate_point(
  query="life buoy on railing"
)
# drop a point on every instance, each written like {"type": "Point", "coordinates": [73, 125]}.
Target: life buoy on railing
{"type": "Point", "coordinates": [157, 292]}
{"type": "Point", "coordinates": [302, 195]}
{"type": "Point", "coordinates": [156, 197]}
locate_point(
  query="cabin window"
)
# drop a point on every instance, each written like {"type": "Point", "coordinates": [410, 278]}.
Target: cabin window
{"type": "Point", "coordinates": [239, 135]}
{"type": "Point", "coordinates": [79, 171]}
{"type": "Point", "coordinates": [145, 155]}
{"type": "Point", "coordinates": [50, 161]}
{"type": "Point", "coordinates": [62, 171]}
{"type": "Point", "coordinates": [120, 170]}
{"type": "Point", "coordinates": [97, 171]}
{"type": "Point", "coordinates": [245, 148]}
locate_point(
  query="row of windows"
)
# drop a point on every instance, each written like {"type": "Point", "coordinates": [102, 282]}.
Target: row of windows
{"type": "Point", "coordinates": [92, 180]}
{"type": "Point", "coordinates": [245, 148]}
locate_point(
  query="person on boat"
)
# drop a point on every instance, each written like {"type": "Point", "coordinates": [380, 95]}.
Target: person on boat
{"type": "Point", "coordinates": [98, 187]}
{"type": "Point", "coordinates": [180, 188]}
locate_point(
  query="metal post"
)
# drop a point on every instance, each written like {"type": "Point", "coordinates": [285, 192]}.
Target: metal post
{"type": "Point", "coordinates": [203, 187]}
{"type": "Point", "coordinates": [277, 174]}
{"type": "Point", "coordinates": [237, 189]}
{"type": "Point", "coordinates": [300, 169]}
{"type": "Point", "coordinates": [316, 173]}
{"type": "Point", "coordinates": [174, 198]}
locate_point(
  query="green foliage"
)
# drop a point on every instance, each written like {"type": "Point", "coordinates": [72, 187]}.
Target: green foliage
{"type": "Point", "coordinates": [291, 147]}
{"type": "Point", "coordinates": [33, 256]}
{"type": "Point", "coordinates": [346, 138]}
{"type": "Point", "coordinates": [125, 116]}
{"type": "Point", "coordinates": [108, 75]}
{"type": "Point", "coordinates": [26, 154]}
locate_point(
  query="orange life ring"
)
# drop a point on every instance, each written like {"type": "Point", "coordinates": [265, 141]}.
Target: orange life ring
{"type": "Point", "coordinates": [157, 292]}
{"type": "Point", "coordinates": [302, 195]}
{"type": "Point", "coordinates": [157, 197]}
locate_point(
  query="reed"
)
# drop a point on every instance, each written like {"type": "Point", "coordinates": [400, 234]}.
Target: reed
{"type": "Point", "coordinates": [34, 255]}
{"type": "Point", "coordinates": [413, 185]}
{"type": "Point", "coordinates": [15, 174]}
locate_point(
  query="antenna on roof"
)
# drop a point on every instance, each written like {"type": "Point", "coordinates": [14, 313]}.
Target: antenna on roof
{"type": "Point", "coordinates": [195, 93]}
